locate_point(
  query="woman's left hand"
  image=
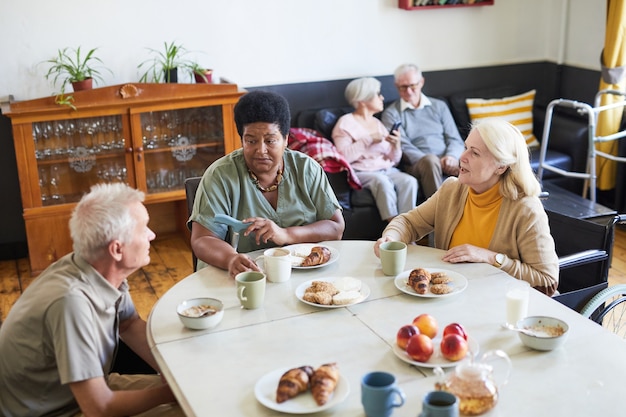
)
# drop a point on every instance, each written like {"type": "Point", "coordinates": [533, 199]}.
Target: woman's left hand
{"type": "Point", "coordinates": [265, 230]}
{"type": "Point", "coordinates": [468, 253]}
{"type": "Point", "coordinates": [394, 140]}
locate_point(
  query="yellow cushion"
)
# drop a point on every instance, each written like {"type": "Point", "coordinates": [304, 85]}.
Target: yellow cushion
{"type": "Point", "coordinates": [517, 110]}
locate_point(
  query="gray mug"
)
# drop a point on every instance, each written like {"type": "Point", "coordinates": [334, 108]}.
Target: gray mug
{"type": "Point", "coordinates": [393, 257]}
{"type": "Point", "coordinates": [440, 404]}
{"type": "Point", "coordinates": [250, 289]}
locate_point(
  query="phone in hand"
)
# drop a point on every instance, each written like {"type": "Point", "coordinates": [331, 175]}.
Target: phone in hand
{"type": "Point", "coordinates": [395, 126]}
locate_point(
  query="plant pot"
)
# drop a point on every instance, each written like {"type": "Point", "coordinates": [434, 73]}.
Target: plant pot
{"type": "Point", "coordinates": [171, 75]}
{"type": "Point", "coordinates": [207, 79]}
{"type": "Point", "coordinates": [86, 84]}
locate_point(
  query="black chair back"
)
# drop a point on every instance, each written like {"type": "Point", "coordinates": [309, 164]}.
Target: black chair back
{"type": "Point", "coordinates": [191, 186]}
{"type": "Point", "coordinates": [586, 275]}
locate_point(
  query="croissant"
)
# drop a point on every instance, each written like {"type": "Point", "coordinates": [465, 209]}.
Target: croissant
{"type": "Point", "coordinates": [293, 382]}
{"type": "Point", "coordinates": [319, 255]}
{"type": "Point", "coordinates": [323, 382]}
{"type": "Point", "coordinates": [419, 280]}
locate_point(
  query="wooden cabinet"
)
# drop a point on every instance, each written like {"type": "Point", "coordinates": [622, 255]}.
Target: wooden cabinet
{"type": "Point", "coordinates": [436, 4]}
{"type": "Point", "coordinates": [150, 136]}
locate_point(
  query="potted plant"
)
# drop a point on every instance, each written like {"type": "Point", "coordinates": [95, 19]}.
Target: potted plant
{"type": "Point", "coordinates": [164, 65]}
{"type": "Point", "coordinates": [72, 66]}
{"type": "Point", "coordinates": [201, 74]}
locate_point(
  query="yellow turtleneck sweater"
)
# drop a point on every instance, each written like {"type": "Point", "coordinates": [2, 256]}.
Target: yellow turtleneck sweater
{"type": "Point", "coordinates": [480, 215]}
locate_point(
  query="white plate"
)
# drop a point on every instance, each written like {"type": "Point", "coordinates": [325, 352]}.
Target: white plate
{"type": "Point", "coordinates": [302, 250]}
{"type": "Point", "coordinates": [437, 358]}
{"type": "Point", "coordinates": [365, 292]}
{"type": "Point", "coordinates": [265, 392]}
{"type": "Point", "coordinates": [459, 282]}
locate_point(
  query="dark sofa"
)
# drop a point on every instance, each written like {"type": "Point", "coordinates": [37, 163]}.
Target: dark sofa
{"type": "Point", "coordinates": [568, 144]}
{"type": "Point", "coordinates": [567, 150]}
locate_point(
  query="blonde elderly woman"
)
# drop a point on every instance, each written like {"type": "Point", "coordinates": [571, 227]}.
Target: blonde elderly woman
{"type": "Point", "coordinates": [491, 213]}
{"type": "Point", "coordinates": [373, 151]}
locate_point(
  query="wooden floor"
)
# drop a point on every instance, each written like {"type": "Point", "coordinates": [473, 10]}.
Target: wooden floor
{"type": "Point", "coordinates": [171, 262]}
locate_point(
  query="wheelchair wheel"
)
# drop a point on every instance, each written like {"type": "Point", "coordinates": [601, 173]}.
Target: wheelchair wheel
{"type": "Point", "coordinates": [608, 308]}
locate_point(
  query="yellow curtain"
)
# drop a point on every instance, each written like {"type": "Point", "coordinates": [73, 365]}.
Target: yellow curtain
{"type": "Point", "coordinates": [613, 57]}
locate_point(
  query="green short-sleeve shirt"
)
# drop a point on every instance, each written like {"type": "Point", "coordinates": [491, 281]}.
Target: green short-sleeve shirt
{"type": "Point", "coordinates": [304, 196]}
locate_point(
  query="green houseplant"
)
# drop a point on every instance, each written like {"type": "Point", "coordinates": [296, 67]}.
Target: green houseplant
{"type": "Point", "coordinates": [164, 64]}
{"type": "Point", "coordinates": [201, 74]}
{"type": "Point", "coordinates": [75, 67]}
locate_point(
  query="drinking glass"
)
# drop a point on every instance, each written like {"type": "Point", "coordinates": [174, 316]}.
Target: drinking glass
{"type": "Point", "coordinates": [517, 294]}
{"type": "Point", "coordinates": [44, 179]}
{"type": "Point", "coordinates": [39, 140]}
{"type": "Point", "coordinates": [55, 182]}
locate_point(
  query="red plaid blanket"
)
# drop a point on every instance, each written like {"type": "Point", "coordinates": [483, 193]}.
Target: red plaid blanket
{"type": "Point", "coordinates": [312, 143]}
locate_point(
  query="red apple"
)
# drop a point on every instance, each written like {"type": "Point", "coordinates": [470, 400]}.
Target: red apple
{"type": "Point", "coordinates": [420, 348]}
{"type": "Point", "coordinates": [454, 347]}
{"type": "Point", "coordinates": [427, 325]}
{"type": "Point", "coordinates": [455, 328]}
{"type": "Point", "coordinates": [404, 334]}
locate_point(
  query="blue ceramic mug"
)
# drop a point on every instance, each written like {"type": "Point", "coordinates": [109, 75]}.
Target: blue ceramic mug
{"type": "Point", "coordinates": [380, 394]}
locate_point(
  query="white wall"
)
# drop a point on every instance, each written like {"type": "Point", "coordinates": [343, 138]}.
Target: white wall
{"type": "Point", "coordinates": [264, 42]}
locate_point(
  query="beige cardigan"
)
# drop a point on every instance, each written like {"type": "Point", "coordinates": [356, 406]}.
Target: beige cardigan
{"type": "Point", "coordinates": [522, 232]}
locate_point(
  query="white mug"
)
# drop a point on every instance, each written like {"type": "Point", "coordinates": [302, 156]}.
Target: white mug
{"type": "Point", "coordinates": [276, 264]}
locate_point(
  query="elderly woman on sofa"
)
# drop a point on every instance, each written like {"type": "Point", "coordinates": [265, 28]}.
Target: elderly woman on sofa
{"type": "Point", "coordinates": [373, 151]}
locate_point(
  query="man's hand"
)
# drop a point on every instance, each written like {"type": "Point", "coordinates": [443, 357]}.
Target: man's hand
{"type": "Point", "coordinates": [450, 165]}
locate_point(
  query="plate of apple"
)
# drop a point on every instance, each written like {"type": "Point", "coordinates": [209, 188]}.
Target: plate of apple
{"type": "Point", "coordinates": [417, 343]}
{"type": "Point", "coordinates": [453, 280]}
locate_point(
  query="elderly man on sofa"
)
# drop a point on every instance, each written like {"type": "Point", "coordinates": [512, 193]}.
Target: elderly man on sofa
{"type": "Point", "coordinates": [431, 143]}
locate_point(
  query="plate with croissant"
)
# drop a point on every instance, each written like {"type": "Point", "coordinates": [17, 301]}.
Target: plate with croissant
{"type": "Point", "coordinates": [333, 292]}
{"type": "Point", "coordinates": [303, 389]}
{"type": "Point", "coordinates": [430, 282]}
{"type": "Point", "coordinates": [312, 255]}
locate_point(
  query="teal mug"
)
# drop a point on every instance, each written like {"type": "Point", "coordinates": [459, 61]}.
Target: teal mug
{"type": "Point", "coordinates": [380, 394]}
{"type": "Point", "coordinates": [440, 404]}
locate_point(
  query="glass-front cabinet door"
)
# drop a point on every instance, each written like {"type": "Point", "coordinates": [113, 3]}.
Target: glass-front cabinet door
{"type": "Point", "coordinates": [149, 136]}
{"type": "Point", "coordinates": [74, 154]}
{"type": "Point", "coordinates": [178, 144]}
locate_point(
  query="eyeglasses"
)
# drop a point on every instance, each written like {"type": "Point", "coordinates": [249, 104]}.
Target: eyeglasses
{"type": "Point", "coordinates": [411, 86]}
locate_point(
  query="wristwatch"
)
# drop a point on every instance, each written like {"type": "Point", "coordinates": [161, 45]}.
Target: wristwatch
{"type": "Point", "coordinates": [500, 259]}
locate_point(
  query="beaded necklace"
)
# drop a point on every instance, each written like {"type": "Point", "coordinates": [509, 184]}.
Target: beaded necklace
{"type": "Point", "coordinates": [273, 187]}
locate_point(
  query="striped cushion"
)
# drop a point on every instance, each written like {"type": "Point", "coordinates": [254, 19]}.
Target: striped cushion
{"type": "Point", "coordinates": [517, 110]}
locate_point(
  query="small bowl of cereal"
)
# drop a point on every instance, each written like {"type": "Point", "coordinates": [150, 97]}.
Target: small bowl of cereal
{"type": "Point", "coordinates": [545, 333]}
{"type": "Point", "coordinates": [200, 313]}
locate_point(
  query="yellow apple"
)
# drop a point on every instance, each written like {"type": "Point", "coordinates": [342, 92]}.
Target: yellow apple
{"type": "Point", "coordinates": [426, 324]}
